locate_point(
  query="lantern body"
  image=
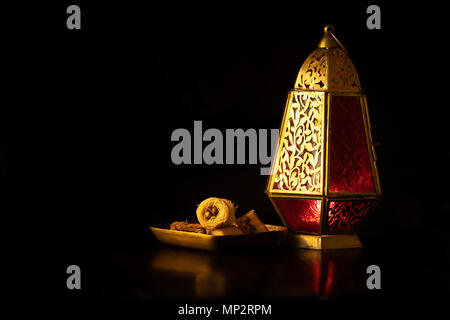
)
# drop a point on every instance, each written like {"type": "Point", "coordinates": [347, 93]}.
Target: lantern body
{"type": "Point", "coordinates": [324, 177]}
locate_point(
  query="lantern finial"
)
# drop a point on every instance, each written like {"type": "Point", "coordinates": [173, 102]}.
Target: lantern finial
{"type": "Point", "coordinates": [328, 40]}
{"type": "Point", "coordinates": [328, 28]}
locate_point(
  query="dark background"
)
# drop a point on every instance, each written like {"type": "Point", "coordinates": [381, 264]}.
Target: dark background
{"type": "Point", "coordinates": [88, 114]}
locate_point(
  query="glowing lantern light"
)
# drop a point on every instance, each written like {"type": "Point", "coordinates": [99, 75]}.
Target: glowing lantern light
{"type": "Point", "coordinates": [324, 177]}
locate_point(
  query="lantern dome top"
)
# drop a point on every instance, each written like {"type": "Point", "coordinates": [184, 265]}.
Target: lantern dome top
{"type": "Point", "coordinates": [329, 67]}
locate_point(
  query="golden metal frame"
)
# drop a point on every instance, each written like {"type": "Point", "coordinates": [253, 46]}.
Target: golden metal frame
{"type": "Point", "coordinates": [320, 240]}
{"type": "Point", "coordinates": [323, 242]}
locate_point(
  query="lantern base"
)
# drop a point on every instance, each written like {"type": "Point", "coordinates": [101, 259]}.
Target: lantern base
{"type": "Point", "coordinates": [323, 242]}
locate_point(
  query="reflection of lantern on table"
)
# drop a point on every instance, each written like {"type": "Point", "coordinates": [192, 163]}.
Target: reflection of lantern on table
{"type": "Point", "coordinates": [324, 178]}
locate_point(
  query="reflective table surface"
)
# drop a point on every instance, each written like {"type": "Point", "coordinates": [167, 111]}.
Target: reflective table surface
{"type": "Point", "coordinates": [156, 271]}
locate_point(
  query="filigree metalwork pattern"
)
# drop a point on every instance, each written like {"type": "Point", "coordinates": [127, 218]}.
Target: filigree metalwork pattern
{"type": "Point", "coordinates": [313, 73]}
{"type": "Point", "coordinates": [343, 216]}
{"type": "Point", "coordinates": [342, 73]}
{"type": "Point", "coordinates": [328, 69]}
{"type": "Point", "coordinates": [299, 167]}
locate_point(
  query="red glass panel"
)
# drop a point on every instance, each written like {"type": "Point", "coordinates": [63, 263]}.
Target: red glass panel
{"type": "Point", "coordinates": [350, 169]}
{"type": "Point", "coordinates": [300, 214]}
{"type": "Point", "coordinates": [343, 216]}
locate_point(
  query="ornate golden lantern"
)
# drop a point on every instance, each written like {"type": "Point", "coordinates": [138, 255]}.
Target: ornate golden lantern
{"type": "Point", "coordinates": [324, 177]}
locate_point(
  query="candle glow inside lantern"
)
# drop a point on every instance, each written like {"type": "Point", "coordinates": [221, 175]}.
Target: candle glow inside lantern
{"type": "Point", "coordinates": [324, 177]}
